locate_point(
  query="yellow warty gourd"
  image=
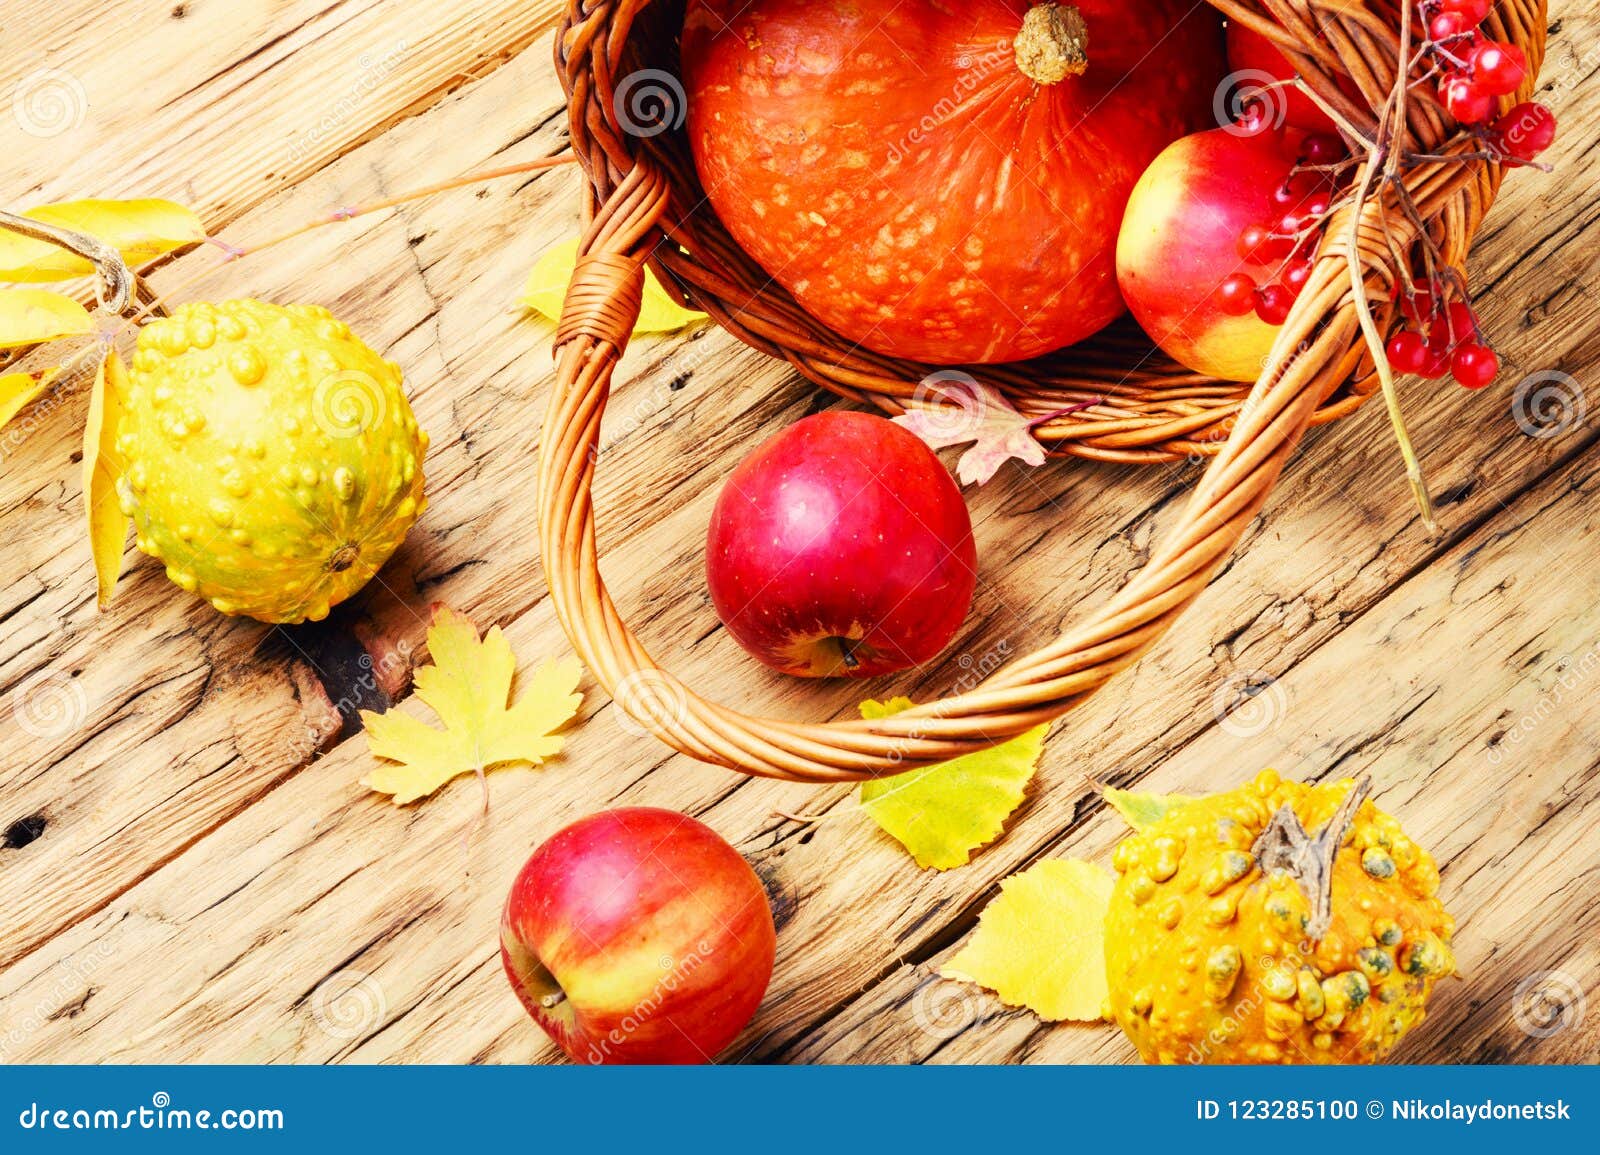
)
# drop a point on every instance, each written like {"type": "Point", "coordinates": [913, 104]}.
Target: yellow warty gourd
{"type": "Point", "coordinates": [268, 457]}
{"type": "Point", "coordinates": [1209, 960]}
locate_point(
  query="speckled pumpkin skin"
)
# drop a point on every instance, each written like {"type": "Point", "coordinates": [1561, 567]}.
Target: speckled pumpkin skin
{"type": "Point", "coordinates": [269, 457]}
{"type": "Point", "coordinates": [1207, 959]}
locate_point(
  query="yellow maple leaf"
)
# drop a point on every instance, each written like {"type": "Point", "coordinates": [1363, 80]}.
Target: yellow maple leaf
{"type": "Point", "coordinates": [1041, 944]}
{"type": "Point", "coordinates": [469, 686]}
{"type": "Point", "coordinates": [1142, 811]}
{"type": "Point", "coordinates": [33, 316]}
{"type": "Point", "coordinates": [942, 813]}
{"type": "Point", "coordinates": [546, 290]}
{"type": "Point", "coordinates": [18, 390]}
{"type": "Point", "coordinates": [141, 230]}
{"type": "Point", "coordinates": [108, 525]}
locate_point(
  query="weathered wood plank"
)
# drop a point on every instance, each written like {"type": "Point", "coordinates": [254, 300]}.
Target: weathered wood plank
{"type": "Point", "coordinates": [125, 105]}
{"type": "Point", "coordinates": [243, 948]}
{"type": "Point", "coordinates": [1511, 822]}
{"type": "Point", "coordinates": [230, 940]}
{"type": "Point", "coordinates": [207, 710]}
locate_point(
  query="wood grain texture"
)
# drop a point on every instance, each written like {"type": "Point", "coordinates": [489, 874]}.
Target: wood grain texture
{"type": "Point", "coordinates": [187, 873]}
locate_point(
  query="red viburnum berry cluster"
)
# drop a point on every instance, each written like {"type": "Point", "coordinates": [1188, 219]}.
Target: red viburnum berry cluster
{"type": "Point", "coordinates": [1445, 339]}
{"type": "Point", "coordinates": [1475, 72]}
{"type": "Point", "coordinates": [1287, 234]}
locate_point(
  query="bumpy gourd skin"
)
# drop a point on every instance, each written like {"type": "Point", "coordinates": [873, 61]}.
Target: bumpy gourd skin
{"type": "Point", "coordinates": [1208, 961]}
{"type": "Point", "coordinates": [269, 458]}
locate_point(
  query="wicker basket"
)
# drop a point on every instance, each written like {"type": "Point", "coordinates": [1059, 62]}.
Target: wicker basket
{"type": "Point", "coordinates": [1151, 411]}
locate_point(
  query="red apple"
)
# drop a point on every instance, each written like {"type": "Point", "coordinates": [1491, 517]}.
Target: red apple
{"type": "Point", "coordinates": [638, 936]}
{"type": "Point", "coordinates": [1185, 261]}
{"type": "Point", "coordinates": [841, 547]}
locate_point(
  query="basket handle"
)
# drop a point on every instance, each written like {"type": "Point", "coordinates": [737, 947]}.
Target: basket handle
{"type": "Point", "coordinates": [602, 306]}
{"type": "Point", "coordinates": [1316, 348]}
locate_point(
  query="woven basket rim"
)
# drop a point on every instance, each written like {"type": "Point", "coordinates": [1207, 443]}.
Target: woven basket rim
{"type": "Point", "coordinates": [633, 182]}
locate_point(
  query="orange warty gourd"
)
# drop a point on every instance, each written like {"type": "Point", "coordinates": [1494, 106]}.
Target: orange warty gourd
{"type": "Point", "coordinates": [1211, 958]}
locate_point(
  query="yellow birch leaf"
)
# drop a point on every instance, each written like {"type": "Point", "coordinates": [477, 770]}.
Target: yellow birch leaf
{"type": "Point", "coordinates": [141, 230]}
{"type": "Point", "coordinates": [108, 525]}
{"type": "Point", "coordinates": [942, 813]}
{"type": "Point", "coordinates": [18, 390]}
{"type": "Point", "coordinates": [469, 686]}
{"type": "Point", "coordinates": [34, 316]}
{"type": "Point", "coordinates": [1142, 811]}
{"type": "Point", "coordinates": [1041, 944]}
{"type": "Point", "coordinates": [547, 289]}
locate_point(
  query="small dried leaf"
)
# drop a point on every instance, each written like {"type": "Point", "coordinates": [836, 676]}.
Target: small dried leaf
{"type": "Point", "coordinates": [141, 230]}
{"type": "Point", "coordinates": [18, 390]}
{"type": "Point", "coordinates": [1041, 944]}
{"type": "Point", "coordinates": [469, 687]}
{"type": "Point", "coordinates": [546, 291]}
{"type": "Point", "coordinates": [942, 813]}
{"type": "Point", "coordinates": [34, 316]}
{"type": "Point", "coordinates": [108, 525]}
{"type": "Point", "coordinates": [980, 414]}
{"type": "Point", "coordinates": [1143, 811]}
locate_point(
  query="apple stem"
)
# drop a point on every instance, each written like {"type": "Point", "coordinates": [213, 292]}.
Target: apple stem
{"type": "Point", "coordinates": [553, 1000]}
{"type": "Point", "coordinates": [847, 653]}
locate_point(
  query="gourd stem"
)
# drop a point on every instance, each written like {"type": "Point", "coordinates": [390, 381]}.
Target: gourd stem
{"type": "Point", "coordinates": [1053, 43]}
{"type": "Point", "coordinates": [1308, 859]}
{"type": "Point", "coordinates": [113, 270]}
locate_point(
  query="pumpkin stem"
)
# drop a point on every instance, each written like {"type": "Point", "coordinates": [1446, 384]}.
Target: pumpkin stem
{"type": "Point", "coordinates": [1284, 845]}
{"type": "Point", "coordinates": [1053, 43]}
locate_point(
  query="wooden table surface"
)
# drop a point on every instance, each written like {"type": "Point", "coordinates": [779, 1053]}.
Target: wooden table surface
{"type": "Point", "coordinates": [190, 868]}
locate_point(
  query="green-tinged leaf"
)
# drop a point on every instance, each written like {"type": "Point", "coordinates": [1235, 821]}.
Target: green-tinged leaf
{"type": "Point", "coordinates": [546, 290]}
{"type": "Point", "coordinates": [18, 390]}
{"type": "Point", "coordinates": [108, 525]}
{"type": "Point", "coordinates": [1041, 944]}
{"type": "Point", "coordinates": [141, 230]}
{"type": "Point", "coordinates": [1143, 811]}
{"type": "Point", "coordinates": [34, 316]}
{"type": "Point", "coordinates": [469, 686]}
{"type": "Point", "coordinates": [942, 813]}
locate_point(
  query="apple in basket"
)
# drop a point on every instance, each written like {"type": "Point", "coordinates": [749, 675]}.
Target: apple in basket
{"type": "Point", "coordinates": [1218, 242]}
{"type": "Point", "coordinates": [638, 936]}
{"type": "Point", "coordinates": [841, 547]}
